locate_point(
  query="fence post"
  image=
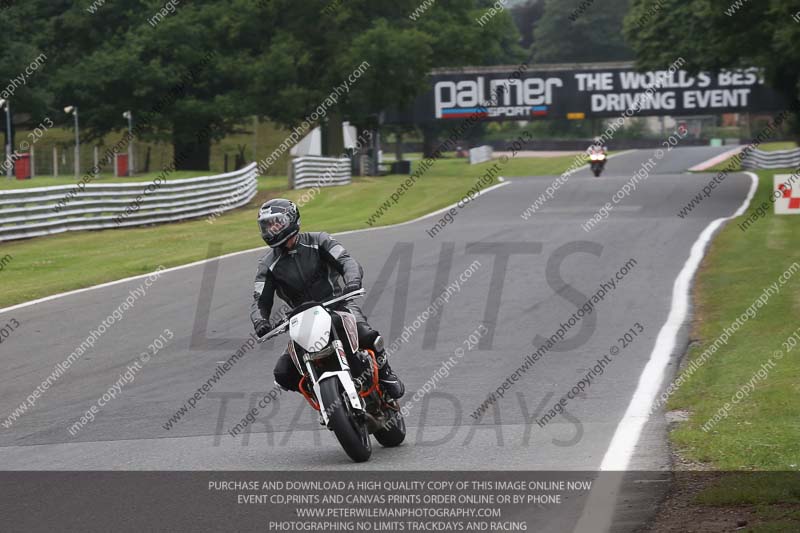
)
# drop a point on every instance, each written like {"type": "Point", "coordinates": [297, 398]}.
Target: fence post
{"type": "Point", "coordinates": [55, 161]}
{"type": "Point", "coordinates": [130, 157]}
{"type": "Point", "coordinates": [33, 162]}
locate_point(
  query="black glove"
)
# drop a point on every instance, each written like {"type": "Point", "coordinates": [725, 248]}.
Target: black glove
{"type": "Point", "coordinates": [351, 287]}
{"type": "Point", "coordinates": [263, 327]}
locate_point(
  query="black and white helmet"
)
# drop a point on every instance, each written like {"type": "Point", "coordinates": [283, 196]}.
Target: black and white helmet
{"type": "Point", "coordinates": [279, 221]}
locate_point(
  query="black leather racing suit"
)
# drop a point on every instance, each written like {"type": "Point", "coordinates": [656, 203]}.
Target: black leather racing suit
{"type": "Point", "coordinates": [312, 271]}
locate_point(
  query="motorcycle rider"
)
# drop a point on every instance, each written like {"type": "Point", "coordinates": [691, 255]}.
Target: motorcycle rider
{"type": "Point", "coordinates": [305, 267]}
{"type": "Point", "coordinates": [598, 147]}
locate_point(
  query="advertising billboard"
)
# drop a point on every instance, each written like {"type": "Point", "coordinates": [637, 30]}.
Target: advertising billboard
{"type": "Point", "coordinates": [585, 91]}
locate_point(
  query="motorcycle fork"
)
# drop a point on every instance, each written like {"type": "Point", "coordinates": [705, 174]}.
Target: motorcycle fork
{"type": "Point", "coordinates": [340, 372]}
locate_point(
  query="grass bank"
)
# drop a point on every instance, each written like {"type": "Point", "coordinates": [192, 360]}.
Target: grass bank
{"type": "Point", "coordinates": [49, 181]}
{"type": "Point", "coordinates": [59, 263]}
{"type": "Point", "coordinates": [780, 145]}
{"type": "Point", "coordinates": [742, 395]}
{"type": "Point", "coordinates": [49, 265]}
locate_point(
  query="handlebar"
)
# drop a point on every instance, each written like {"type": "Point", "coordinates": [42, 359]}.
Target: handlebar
{"type": "Point", "coordinates": [284, 325]}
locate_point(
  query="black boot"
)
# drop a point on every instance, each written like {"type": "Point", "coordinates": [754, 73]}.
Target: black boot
{"type": "Point", "coordinates": [390, 383]}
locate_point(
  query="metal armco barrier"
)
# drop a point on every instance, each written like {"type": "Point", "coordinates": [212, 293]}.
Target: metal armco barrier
{"type": "Point", "coordinates": [777, 159]}
{"type": "Point", "coordinates": [29, 213]}
{"type": "Point", "coordinates": [312, 171]}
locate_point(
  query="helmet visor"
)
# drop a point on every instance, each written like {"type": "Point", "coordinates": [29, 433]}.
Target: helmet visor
{"type": "Point", "coordinates": [273, 223]}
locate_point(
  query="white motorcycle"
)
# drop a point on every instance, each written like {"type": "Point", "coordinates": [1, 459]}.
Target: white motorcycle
{"type": "Point", "coordinates": [340, 380]}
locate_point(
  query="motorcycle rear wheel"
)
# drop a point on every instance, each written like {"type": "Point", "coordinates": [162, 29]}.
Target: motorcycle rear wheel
{"type": "Point", "coordinates": [351, 434]}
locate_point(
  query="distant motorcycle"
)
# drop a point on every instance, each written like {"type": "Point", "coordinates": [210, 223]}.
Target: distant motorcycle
{"type": "Point", "coordinates": [339, 380]}
{"type": "Point", "coordinates": [597, 163]}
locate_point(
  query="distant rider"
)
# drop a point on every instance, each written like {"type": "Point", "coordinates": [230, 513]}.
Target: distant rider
{"type": "Point", "coordinates": [598, 147]}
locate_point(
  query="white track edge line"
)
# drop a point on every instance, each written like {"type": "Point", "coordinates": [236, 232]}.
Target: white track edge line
{"type": "Point", "coordinates": [625, 439]}
{"type": "Point", "coordinates": [708, 163]}
{"type": "Point", "coordinates": [599, 508]}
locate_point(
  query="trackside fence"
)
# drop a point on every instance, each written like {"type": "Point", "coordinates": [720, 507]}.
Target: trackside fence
{"type": "Point", "coordinates": [312, 171]}
{"type": "Point", "coordinates": [776, 159]}
{"type": "Point", "coordinates": [27, 213]}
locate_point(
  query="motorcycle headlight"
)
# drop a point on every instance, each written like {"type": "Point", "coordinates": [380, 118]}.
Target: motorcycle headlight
{"type": "Point", "coordinates": [322, 354]}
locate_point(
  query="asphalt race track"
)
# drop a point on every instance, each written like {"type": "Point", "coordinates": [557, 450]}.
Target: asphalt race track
{"type": "Point", "coordinates": [533, 275]}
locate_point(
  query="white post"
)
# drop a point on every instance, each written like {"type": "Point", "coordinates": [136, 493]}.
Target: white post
{"type": "Point", "coordinates": [33, 162]}
{"type": "Point", "coordinates": [8, 139]}
{"type": "Point", "coordinates": [55, 161]}
{"type": "Point", "coordinates": [77, 147]}
{"type": "Point", "coordinates": [96, 156]}
{"type": "Point", "coordinates": [129, 115]}
{"type": "Point", "coordinates": [130, 148]}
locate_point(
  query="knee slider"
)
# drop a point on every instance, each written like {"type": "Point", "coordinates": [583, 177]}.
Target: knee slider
{"type": "Point", "coordinates": [367, 336]}
{"type": "Point", "coordinates": [378, 344]}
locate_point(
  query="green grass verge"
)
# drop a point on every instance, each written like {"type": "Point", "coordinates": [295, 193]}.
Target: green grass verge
{"type": "Point", "coordinates": [761, 431]}
{"type": "Point", "coordinates": [48, 181]}
{"type": "Point", "coordinates": [514, 167]}
{"type": "Point", "coordinates": [49, 265]}
{"type": "Point", "coordinates": [773, 147]}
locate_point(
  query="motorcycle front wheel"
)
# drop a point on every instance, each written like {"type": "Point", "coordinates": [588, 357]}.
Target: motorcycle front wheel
{"type": "Point", "coordinates": [394, 432]}
{"type": "Point", "coordinates": [351, 434]}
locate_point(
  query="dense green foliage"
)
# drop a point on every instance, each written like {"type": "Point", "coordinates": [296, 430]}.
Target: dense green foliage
{"type": "Point", "coordinates": [717, 34]}
{"type": "Point", "coordinates": [193, 71]}
{"type": "Point", "coordinates": [581, 30]}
